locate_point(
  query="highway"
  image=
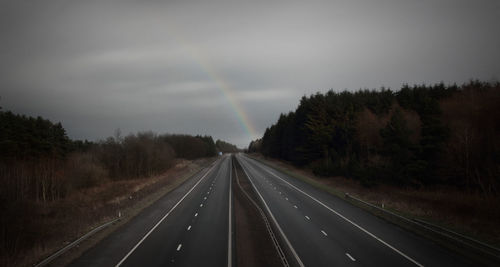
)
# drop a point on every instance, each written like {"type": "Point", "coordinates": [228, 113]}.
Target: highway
{"type": "Point", "coordinates": [324, 230]}
{"type": "Point", "coordinates": [193, 225]}
{"type": "Point", "coordinates": [190, 226]}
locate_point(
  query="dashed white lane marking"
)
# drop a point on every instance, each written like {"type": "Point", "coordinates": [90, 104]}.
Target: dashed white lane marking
{"type": "Point", "coordinates": [196, 214]}
{"type": "Point", "coordinates": [201, 205]}
{"type": "Point", "coordinates": [307, 217]}
{"type": "Point", "coordinates": [349, 221]}
{"type": "Point", "coordinates": [189, 228]}
{"type": "Point", "coordinates": [279, 192]}
{"type": "Point", "coordinates": [162, 219]}
{"type": "Point", "coordinates": [323, 232]}
{"type": "Point", "coordinates": [350, 257]}
{"type": "Point", "coordinates": [275, 188]}
{"type": "Point", "coordinates": [205, 198]}
{"type": "Point", "coordinates": [286, 198]}
{"type": "Point", "coordinates": [179, 247]}
{"type": "Point", "coordinates": [294, 253]}
{"type": "Point", "coordinates": [295, 206]}
{"type": "Point", "coordinates": [208, 192]}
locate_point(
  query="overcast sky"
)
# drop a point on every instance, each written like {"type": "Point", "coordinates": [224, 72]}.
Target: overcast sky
{"type": "Point", "coordinates": [96, 66]}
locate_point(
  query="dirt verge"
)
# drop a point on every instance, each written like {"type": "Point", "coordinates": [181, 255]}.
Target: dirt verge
{"type": "Point", "coordinates": [99, 205]}
{"type": "Point", "coordinates": [254, 246]}
{"type": "Point", "coordinates": [468, 214]}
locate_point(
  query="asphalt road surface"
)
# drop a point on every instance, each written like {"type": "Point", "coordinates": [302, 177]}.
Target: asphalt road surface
{"type": "Point", "coordinates": [193, 226]}
{"type": "Point", "coordinates": [190, 226]}
{"type": "Point", "coordinates": [324, 230]}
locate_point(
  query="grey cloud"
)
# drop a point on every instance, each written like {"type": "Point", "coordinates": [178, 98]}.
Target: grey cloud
{"type": "Point", "coordinates": [139, 65]}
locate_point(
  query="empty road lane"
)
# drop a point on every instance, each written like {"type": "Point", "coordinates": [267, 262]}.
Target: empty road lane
{"type": "Point", "coordinates": [324, 230]}
{"type": "Point", "coordinates": [191, 226]}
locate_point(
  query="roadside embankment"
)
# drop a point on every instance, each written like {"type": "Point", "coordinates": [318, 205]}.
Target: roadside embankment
{"type": "Point", "coordinates": [67, 220]}
{"type": "Point", "coordinates": [463, 222]}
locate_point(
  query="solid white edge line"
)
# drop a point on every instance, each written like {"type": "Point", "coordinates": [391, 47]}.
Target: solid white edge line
{"type": "Point", "coordinates": [229, 234]}
{"type": "Point", "coordinates": [351, 222]}
{"type": "Point", "coordinates": [162, 219]}
{"type": "Point", "coordinates": [266, 221]}
{"type": "Point", "coordinates": [299, 261]}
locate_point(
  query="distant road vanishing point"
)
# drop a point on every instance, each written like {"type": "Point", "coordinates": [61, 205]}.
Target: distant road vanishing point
{"type": "Point", "coordinates": [194, 225]}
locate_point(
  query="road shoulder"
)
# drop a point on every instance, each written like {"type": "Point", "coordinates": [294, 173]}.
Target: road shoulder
{"type": "Point", "coordinates": [141, 200]}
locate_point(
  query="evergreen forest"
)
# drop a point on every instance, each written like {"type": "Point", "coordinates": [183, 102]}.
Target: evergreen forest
{"type": "Point", "coordinates": [419, 136]}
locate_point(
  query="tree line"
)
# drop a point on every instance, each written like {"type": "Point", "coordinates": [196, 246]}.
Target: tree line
{"type": "Point", "coordinates": [418, 136]}
{"type": "Point", "coordinates": [226, 147]}
{"type": "Point", "coordinates": [41, 167]}
{"type": "Point", "coordinates": [39, 162]}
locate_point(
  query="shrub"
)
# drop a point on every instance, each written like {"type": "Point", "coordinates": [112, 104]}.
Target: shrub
{"type": "Point", "coordinates": [83, 171]}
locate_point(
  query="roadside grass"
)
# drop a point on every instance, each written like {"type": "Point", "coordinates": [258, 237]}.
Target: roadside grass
{"type": "Point", "coordinates": [55, 224]}
{"type": "Point", "coordinates": [469, 214]}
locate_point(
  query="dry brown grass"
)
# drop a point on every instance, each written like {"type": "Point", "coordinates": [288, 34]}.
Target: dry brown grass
{"type": "Point", "coordinates": [471, 214]}
{"type": "Point", "coordinates": [51, 225]}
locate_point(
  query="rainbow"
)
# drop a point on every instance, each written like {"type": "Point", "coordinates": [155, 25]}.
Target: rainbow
{"type": "Point", "coordinates": [222, 85]}
{"type": "Point", "coordinates": [227, 91]}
